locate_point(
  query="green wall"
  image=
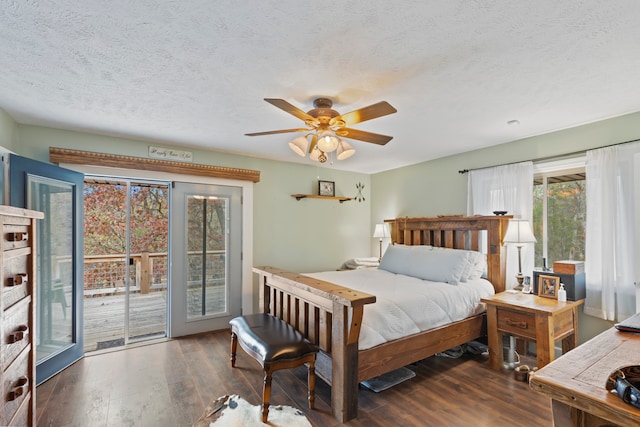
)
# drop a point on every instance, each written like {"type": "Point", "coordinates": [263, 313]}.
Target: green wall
{"type": "Point", "coordinates": [8, 131]}
{"type": "Point", "coordinates": [435, 187]}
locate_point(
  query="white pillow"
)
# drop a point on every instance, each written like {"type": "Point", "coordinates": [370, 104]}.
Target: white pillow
{"type": "Point", "coordinates": [426, 263]}
{"type": "Point", "coordinates": [480, 267]}
{"type": "Point", "coordinates": [477, 266]}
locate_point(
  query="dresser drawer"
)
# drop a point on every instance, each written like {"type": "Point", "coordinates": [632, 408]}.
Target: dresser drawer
{"type": "Point", "coordinates": [21, 418]}
{"type": "Point", "coordinates": [16, 385]}
{"type": "Point", "coordinates": [16, 234]}
{"type": "Point", "coordinates": [517, 323]}
{"type": "Point", "coordinates": [16, 280]}
{"type": "Point", "coordinates": [16, 333]}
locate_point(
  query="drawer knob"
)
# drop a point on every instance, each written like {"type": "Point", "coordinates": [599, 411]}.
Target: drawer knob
{"type": "Point", "coordinates": [17, 237]}
{"type": "Point", "coordinates": [20, 387]}
{"type": "Point", "coordinates": [18, 334]}
{"type": "Point", "coordinates": [517, 324]}
{"type": "Point", "coordinates": [17, 280]}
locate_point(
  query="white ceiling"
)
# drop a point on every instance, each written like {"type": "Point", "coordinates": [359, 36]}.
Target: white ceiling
{"type": "Point", "coordinates": [193, 73]}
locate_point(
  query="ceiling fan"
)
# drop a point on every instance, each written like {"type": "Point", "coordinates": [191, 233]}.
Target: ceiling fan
{"type": "Point", "coordinates": [325, 127]}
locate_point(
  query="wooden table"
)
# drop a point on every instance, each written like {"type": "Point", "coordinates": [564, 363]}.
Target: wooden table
{"type": "Point", "coordinates": [576, 382]}
{"type": "Point", "coordinates": [544, 320]}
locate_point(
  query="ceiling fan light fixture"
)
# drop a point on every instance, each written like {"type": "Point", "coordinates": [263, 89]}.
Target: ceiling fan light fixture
{"type": "Point", "coordinates": [345, 150]}
{"type": "Point", "coordinates": [314, 154]}
{"type": "Point", "coordinates": [299, 145]}
{"type": "Point", "coordinates": [325, 128]}
{"type": "Point", "coordinates": [328, 141]}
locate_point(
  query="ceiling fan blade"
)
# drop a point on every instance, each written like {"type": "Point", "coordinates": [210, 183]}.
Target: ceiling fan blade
{"type": "Point", "coordinates": [362, 135]}
{"type": "Point", "coordinates": [272, 132]}
{"type": "Point", "coordinates": [289, 108]}
{"type": "Point", "coordinates": [373, 111]}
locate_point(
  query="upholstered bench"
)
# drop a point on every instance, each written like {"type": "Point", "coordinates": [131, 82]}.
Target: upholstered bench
{"type": "Point", "coordinates": [275, 345]}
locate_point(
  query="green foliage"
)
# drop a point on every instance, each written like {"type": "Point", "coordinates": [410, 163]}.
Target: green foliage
{"type": "Point", "coordinates": [106, 214]}
{"type": "Point", "coordinates": [566, 221]}
{"type": "Point", "coordinates": [212, 226]}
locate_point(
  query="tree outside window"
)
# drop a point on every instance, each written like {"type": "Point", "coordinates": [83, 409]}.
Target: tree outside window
{"type": "Point", "coordinates": [559, 207]}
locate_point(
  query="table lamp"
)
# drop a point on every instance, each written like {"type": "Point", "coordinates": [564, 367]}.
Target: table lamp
{"type": "Point", "coordinates": [381, 231]}
{"type": "Point", "coordinates": [519, 232]}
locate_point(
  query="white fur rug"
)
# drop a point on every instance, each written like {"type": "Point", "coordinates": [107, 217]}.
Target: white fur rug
{"type": "Point", "coordinates": [234, 411]}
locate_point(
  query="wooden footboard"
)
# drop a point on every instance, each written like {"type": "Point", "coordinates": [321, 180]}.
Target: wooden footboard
{"type": "Point", "coordinates": [329, 316]}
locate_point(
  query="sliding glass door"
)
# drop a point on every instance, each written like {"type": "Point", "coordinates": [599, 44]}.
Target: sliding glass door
{"type": "Point", "coordinates": [126, 261]}
{"type": "Point", "coordinates": [206, 236]}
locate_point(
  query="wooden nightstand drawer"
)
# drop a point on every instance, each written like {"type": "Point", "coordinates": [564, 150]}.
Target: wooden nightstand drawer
{"type": "Point", "coordinates": [519, 323]}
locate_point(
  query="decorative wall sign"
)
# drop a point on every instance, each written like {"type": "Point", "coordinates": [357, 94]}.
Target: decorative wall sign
{"type": "Point", "coordinates": [360, 197]}
{"type": "Point", "coordinates": [170, 154]}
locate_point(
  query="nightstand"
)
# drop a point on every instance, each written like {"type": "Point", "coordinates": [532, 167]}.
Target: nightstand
{"type": "Point", "coordinates": [543, 320]}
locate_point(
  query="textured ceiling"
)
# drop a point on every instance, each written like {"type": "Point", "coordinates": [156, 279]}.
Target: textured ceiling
{"type": "Point", "coordinates": [193, 73]}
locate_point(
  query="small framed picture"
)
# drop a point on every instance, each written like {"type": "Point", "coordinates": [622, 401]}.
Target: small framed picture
{"type": "Point", "coordinates": [326, 188]}
{"type": "Point", "coordinates": [548, 286]}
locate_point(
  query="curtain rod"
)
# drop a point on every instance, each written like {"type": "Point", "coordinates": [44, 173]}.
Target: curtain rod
{"type": "Point", "coordinates": [541, 159]}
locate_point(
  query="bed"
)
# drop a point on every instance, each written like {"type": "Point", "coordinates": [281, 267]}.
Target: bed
{"type": "Point", "coordinates": [330, 314]}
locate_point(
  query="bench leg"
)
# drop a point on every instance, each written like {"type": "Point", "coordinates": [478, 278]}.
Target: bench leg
{"type": "Point", "coordinates": [311, 380]}
{"type": "Point", "coordinates": [234, 347]}
{"type": "Point", "coordinates": [266, 394]}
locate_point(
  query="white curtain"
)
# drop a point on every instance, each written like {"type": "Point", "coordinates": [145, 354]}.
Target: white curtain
{"type": "Point", "coordinates": [505, 188]}
{"type": "Point", "coordinates": [612, 249]}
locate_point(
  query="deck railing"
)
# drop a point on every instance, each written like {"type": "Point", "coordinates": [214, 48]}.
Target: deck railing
{"type": "Point", "coordinates": [106, 274]}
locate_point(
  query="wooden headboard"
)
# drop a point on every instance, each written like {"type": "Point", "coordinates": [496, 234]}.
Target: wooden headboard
{"type": "Point", "coordinates": [458, 232]}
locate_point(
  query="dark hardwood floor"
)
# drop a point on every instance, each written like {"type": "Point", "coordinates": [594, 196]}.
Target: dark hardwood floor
{"type": "Point", "coordinates": [170, 384]}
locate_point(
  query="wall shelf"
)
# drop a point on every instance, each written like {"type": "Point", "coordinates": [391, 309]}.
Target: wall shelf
{"type": "Point", "coordinates": [315, 196]}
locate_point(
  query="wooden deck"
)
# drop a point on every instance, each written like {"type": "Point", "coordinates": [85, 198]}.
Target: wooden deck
{"type": "Point", "coordinates": [104, 315]}
{"type": "Point", "coordinates": [104, 319]}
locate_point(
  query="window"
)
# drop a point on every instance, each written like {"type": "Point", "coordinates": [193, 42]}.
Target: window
{"type": "Point", "coordinates": [559, 211]}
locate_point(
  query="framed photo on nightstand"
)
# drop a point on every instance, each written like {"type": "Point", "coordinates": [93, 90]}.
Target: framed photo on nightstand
{"type": "Point", "coordinates": [548, 286]}
{"type": "Point", "coordinates": [326, 188]}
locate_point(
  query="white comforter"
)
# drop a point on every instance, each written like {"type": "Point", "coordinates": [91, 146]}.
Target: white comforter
{"type": "Point", "coordinates": [406, 305]}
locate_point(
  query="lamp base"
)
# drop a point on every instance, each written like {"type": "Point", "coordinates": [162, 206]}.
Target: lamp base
{"type": "Point", "coordinates": [520, 279]}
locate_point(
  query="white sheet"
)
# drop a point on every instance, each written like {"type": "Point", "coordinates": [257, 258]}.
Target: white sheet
{"type": "Point", "coordinates": [406, 305]}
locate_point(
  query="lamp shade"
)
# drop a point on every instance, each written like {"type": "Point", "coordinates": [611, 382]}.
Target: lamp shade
{"type": "Point", "coordinates": [382, 230]}
{"type": "Point", "coordinates": [327, 141]}
{"type": "Point", "coordinates": [299, 146]}
{"type": "Point", "coordinates": [519, 231]}
{"type": "Point", "coordinates": [315, 153]}
{"type": "Point", "coordinates": [344, 150]}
